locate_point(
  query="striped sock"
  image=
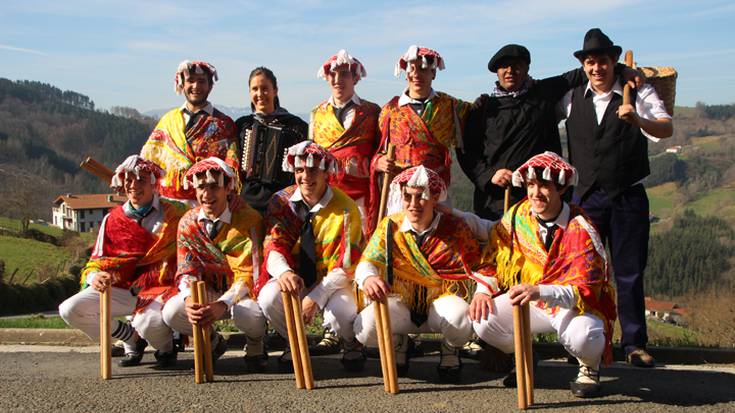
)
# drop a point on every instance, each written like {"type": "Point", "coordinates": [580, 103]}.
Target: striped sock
{"type": "Point", "coordinates": [123, 331]}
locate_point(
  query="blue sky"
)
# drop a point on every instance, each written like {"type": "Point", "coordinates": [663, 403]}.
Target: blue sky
{"type": "Point", "coordinates": [125, 52]}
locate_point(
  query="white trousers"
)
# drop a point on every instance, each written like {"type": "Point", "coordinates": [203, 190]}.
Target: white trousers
{"type": "Point", "coordinates": [82, 311]}
{"type": "Point", "coordinates": [583, 336]}
{"type": "Point", "coordinates": [245, 313]}
{"type": "Point", "coordinates": [447, 315]}
{"type": "Point", "coordinates": [339, 311]}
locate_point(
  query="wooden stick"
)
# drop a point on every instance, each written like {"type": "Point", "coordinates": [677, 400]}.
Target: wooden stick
{"type": "Point", "coordinates": [390, 359]}
{"type": "Point", "coordinates": [381, 344]}
{"type": "Point", "coordinates": [386, 183]}
{"type": "Point", "coordinates": [520, 357]}
{"type": "Point", "coordinates": [528, 352]}
{"type": "Point", "coordinates": [293, 340]}
{"type": "Point", "coordinates": [506, 201]}
{"type": "Point", "coordinates": [97, 169]}
{"type": "Point", "coordinates": [626, 88]}
{"type": "Point", "coordinates": [206, 337]}
{"type": "Point", "coordinates": [105, 334]}
{"type": "Point", "coordinates": [303, 343]}
{"type": "Point", "coordinates": [198, 343]}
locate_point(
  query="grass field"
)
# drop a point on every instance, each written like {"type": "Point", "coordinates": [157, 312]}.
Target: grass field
{"type": "Point", "coordinates": [29, 256]}
{"type": "Point", "coordinates": [14, 225]}
{"type": "Point", "coordinates": [36, 321]}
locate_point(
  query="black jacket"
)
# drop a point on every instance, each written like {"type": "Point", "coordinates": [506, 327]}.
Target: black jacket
{"type": "Point", "coordinates": [255, 192]}
{"type": "Point", "coordinates": [504, 132]}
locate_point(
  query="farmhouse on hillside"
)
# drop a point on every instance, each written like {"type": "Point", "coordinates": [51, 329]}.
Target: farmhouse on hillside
{"type": "Point", "coordinates": [83, 212]}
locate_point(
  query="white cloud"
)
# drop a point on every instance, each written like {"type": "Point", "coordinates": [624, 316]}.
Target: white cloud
{"type": "Point", "coordinates": [22, 50]}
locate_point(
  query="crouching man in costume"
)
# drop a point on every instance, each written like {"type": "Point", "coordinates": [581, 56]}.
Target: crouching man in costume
{"type": "Point", "coordinates": [433, 255]}
{"type": "Point", "coordinates": [192, 132]}
{"type": "Point", "coordinates": [135, 252]}
{"type": "Point", "coordinates": [548, 252]}
{"type": "Point", "coordinates": [311, 248]}
{"type": "Point", "coordinates": [218, 243]}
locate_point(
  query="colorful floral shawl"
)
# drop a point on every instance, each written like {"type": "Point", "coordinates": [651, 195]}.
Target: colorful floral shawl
{"type": "Point", "coordinates": [576, 257]}
{"type": "Point", "coordinates": [337, 232]}
{"type": "Point", "coordinates": [137, 259]}
{"type": "Point", "coordinates": [442, 263]}
{"type": "Point", "coordinates": [233, 254]}
{"type": "Point", "coordinates": [353, 147]}
{"type": "Point", "coordinates": [176, 149]}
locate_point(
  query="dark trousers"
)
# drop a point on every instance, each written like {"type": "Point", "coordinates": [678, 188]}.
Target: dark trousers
{"type": "Point", "coordinates": [624, 226]}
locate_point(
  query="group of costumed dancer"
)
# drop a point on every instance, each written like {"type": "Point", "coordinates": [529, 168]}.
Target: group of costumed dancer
{"type": "Point", "coordinates": [270, 204]}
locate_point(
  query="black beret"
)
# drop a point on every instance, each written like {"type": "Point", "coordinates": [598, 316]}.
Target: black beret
{"type": "Point", "coordinates": [509, 51]}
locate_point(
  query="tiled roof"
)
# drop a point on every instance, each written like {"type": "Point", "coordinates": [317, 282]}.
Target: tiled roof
{"type": "Point", "coordinates": [90, 201]}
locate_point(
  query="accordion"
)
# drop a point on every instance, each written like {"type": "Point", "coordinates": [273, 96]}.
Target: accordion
{"type": "Point", "coordinates": [263, 147]}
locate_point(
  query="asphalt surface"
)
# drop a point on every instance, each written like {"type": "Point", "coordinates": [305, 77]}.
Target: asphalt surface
{"type": "Point", "coordinates": [55, 378]}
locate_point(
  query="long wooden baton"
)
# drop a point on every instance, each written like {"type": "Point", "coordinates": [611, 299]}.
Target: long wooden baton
{"type": "Point", "coordinates": [293, 340]}
{"type": "Point", "coordinates": [506, 200]}
{"type": "Point", "coordinates": [626, 88]}
{"type": "Point", "coordinates": [528, 352]}
{"type": "Point", "coordinates": [382, 322]}
{"type": "Point", "coordinates": [198, 343]}
{"type": "Point", "coordinates": [206, 338]}
{"type": "Point", "coordinates": [97, 169]}
{"type": "Point", "coordinates": [105, 334]}
{"type": "Point", "coordinates": [386, 183]}
{"type": "Point", "coordinates": [520, 356]}
{"type": "Point", "coordinates": [304, 356]}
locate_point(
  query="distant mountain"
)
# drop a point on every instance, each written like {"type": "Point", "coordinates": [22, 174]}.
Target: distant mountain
{"type": "Point", "coordinates": [46, 132]}
{"type": "Point", "coordinates": [232, 111]}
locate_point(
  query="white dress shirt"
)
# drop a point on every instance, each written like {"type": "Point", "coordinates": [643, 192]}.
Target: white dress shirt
{"type": "Point", "coordinates": [277, 264]}
{"type": "Point", "coordinates": [647, 103]}
{"type": "Point", "coordinates": [349, 115]}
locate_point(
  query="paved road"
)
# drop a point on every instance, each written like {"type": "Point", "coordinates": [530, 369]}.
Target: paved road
{"type": "Point", "coordinates": [38, 378]}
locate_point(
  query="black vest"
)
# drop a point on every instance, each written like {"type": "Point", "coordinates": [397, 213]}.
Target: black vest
{"type": "Point", "coordinates": [612, 155]}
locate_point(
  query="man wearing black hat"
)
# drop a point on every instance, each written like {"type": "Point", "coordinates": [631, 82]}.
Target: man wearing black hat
{"type": "Point", "coordinates": [608, 146]}
{"type": "Point", "coordinates": [515, 122]}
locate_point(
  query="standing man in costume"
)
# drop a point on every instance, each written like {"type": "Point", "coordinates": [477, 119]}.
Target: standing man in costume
{"type": "Point", "coordinates": [218, 243]}
{"type": "Point", "coordinates": [135, 253]}
{"type": "Point", "coordinates": [432, 258]}
{"type": "Point", "coordinates": [347, 126]}
{"type": "Point", "coordinates": [547, 252]}
{"type": "Point", "coordinates": [192, 132]}
{"type": "Point", "coordinates": [608, 146]}
{"type": "Point", "coordinates": [422, 123]}
{"type": "Point", "coordinates": [311, 248]}
{"type": "Point", "coordinates": [285, 130]}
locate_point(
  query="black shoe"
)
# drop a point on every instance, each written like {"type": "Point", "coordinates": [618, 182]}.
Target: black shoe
{"type": "Point", "coordinates": [587, 383]}
{"type": "Point", "coordinates": [256, 364]}
{"type": "Point", "coordinates": [117, 351]}
{"type": "Point", "coordinates": [133, 358]}
{"type": "Point", "coordinates": [166, 360]}
{"type": "Point", "coordinates": [639, 357]}
{"type": "Point", "coordinates": [450, 364]}
{"type": "Point", "coordinates": [494, 360]}
{"type": "Point", "coordinates": [219, 348]}
{"type": "Point", "coordinates": [329, 344]}
{"type": "Point", "coordinates": [353, 357]}
{"type": "Point", "coordinates": [511, 381]}
{"type": "Point", "coordinates": [130, 360]}
{"type": "Point", "coordinates": [285, 362]}
{"type": "Point", "coordinates": [401, 345]}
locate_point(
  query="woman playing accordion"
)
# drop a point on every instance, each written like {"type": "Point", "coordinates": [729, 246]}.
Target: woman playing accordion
{"type": "Point", "coordinates": [263, 137]}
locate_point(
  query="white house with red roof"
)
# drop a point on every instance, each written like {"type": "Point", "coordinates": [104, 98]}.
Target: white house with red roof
{"type": "Point", "coordinates": [83, 212]}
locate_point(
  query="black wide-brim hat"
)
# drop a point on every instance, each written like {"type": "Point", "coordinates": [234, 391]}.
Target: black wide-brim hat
{"type": "Point", "coordinates": [513, 51]}
{"type": "Point", "coordinates": [595, 41]}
